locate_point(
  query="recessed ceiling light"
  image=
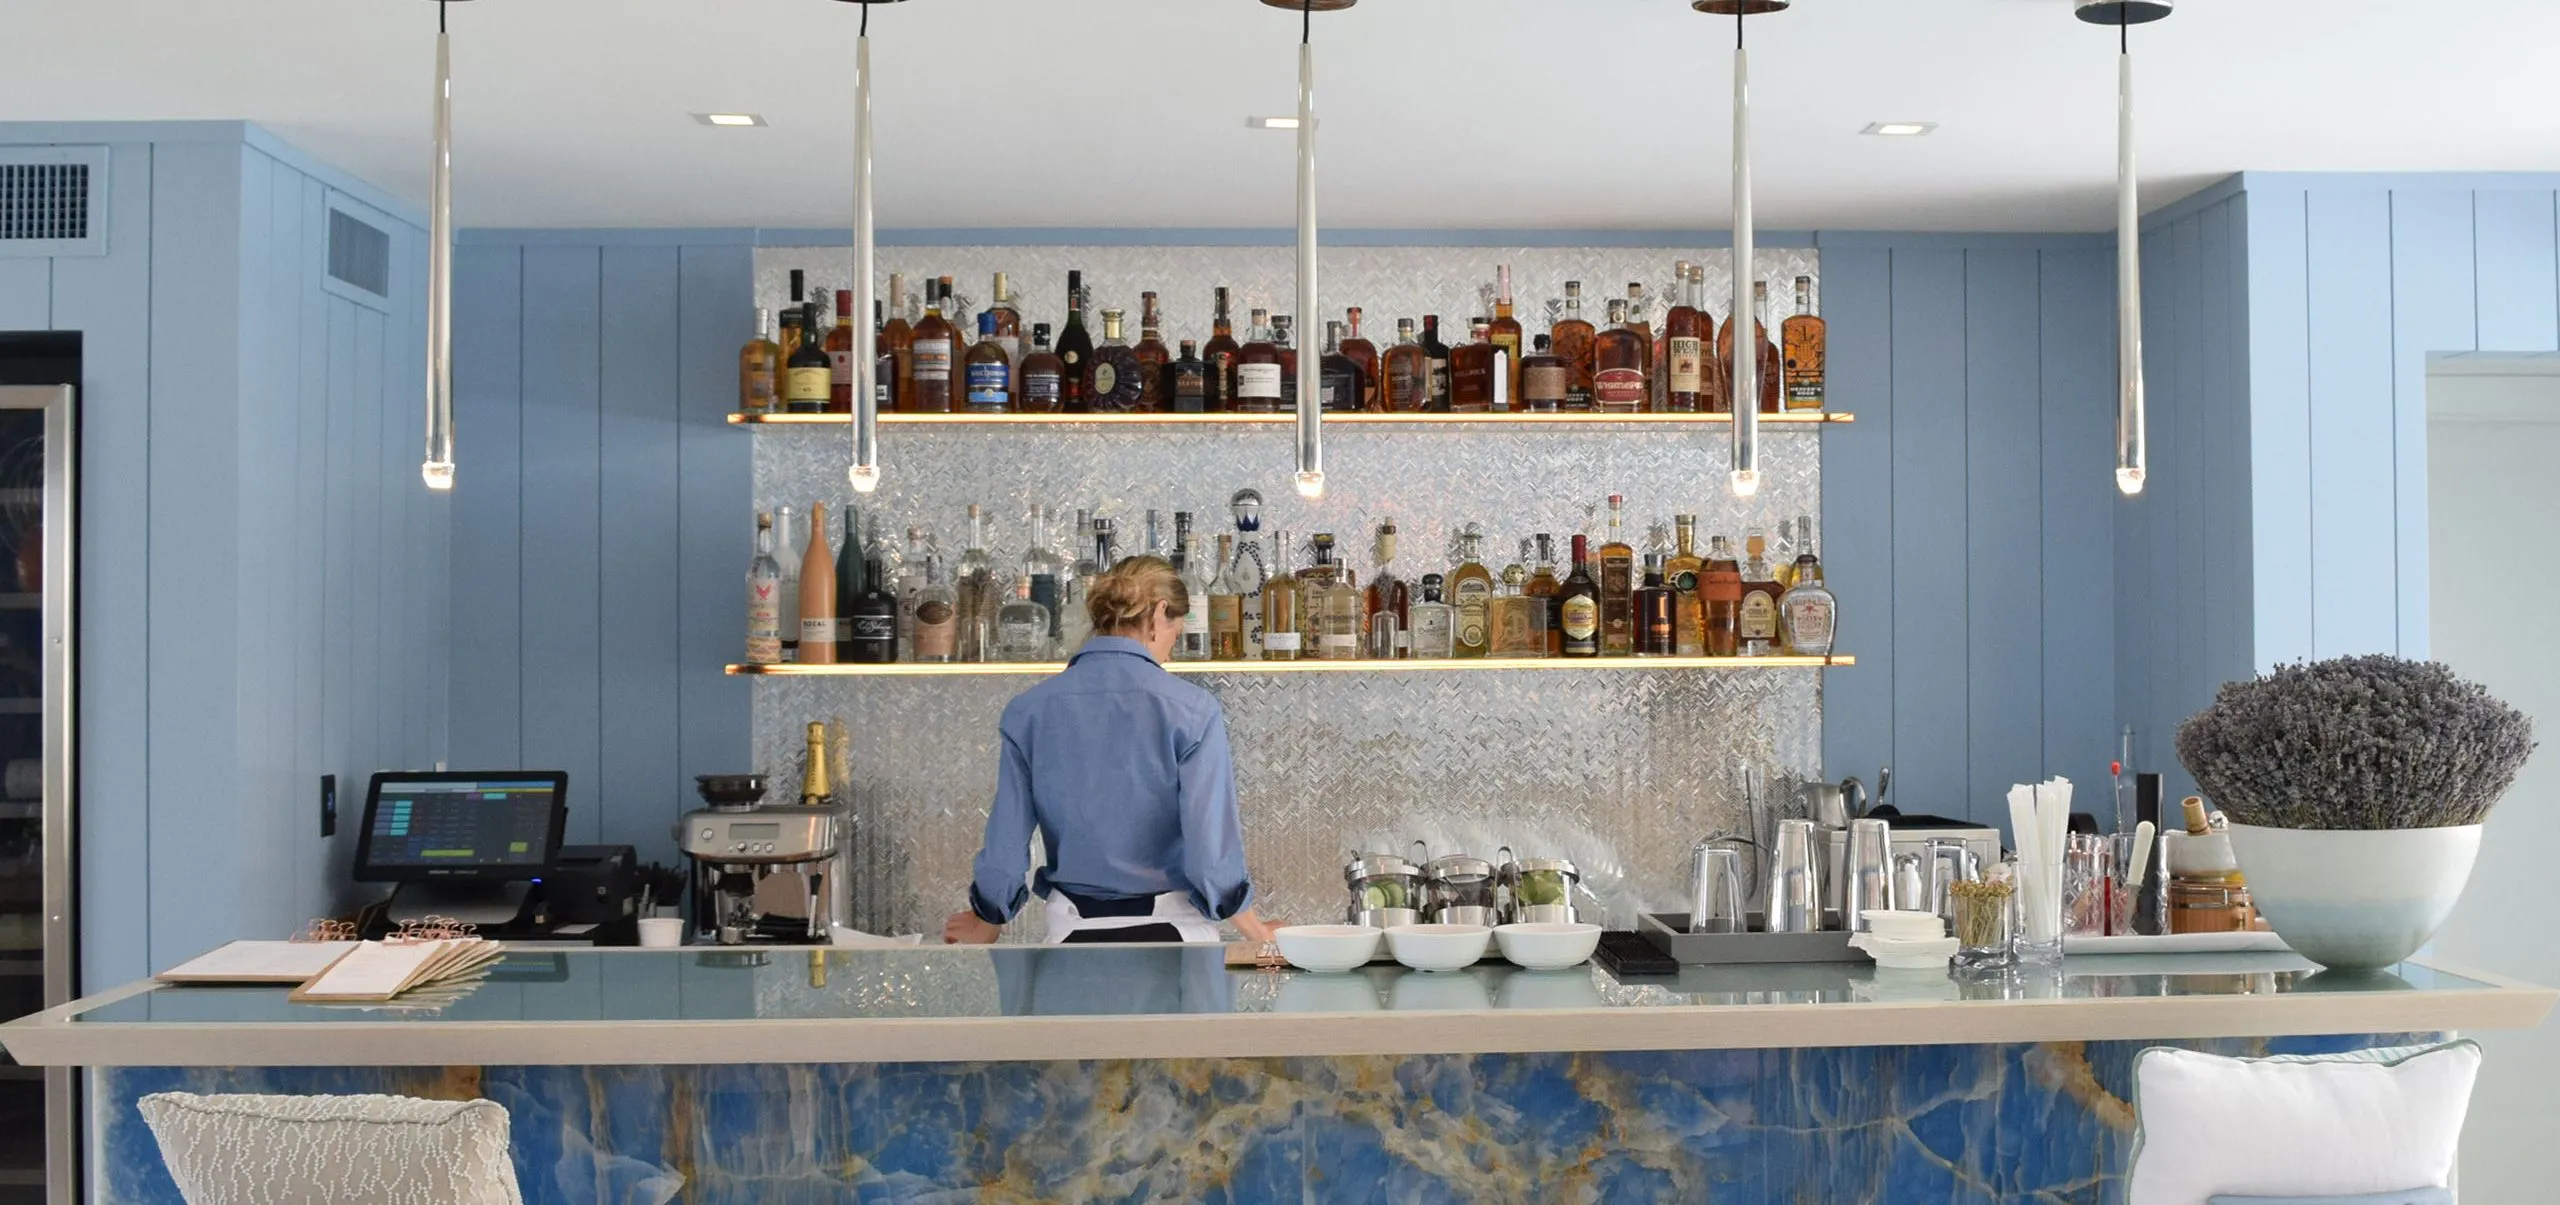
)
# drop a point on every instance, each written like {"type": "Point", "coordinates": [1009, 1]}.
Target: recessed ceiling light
{"type": "Point", "coordinates": [1900, 129]}
{"type": "Point", "coordinates": [728, 119]}
{"type": "Point", "coordinates": [1271, 123]}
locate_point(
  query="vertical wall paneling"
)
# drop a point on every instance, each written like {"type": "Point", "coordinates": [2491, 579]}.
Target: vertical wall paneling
{"type": "Point", "coordinates": [2003, 538]}
{"type": "Point", "coordinates": [715, 294]}
{"type": "Point", "coordinates": [2280, 426]}
{"type": "Point", "coordinates": [1929, 485]}
{"type": "Point", "coordinates": [2432, 292]}
{"type": "Point", "coordinates": [562, 413]}
{"type": "Point", "coordinates": [641, 491]}
{"type": "Point", "coordinates": [486, 705]}
{"type": "Point", "coordinates": [313, 518]}
{"type": "Point", "coordinates": [2179, 492]}
{"type": "Point", "coordinates": [2355, 517]}
{"type": "Point", "coordinates": [2076, 480]}
{"type": "Point", "coordinates": [267, 368]}
{"type": "Point", "coordinates": [1857, 508]}
{"type": "Point", "coordinates": [2220, 484]}
{"type": "Point", "coordinates": [2513, 244]}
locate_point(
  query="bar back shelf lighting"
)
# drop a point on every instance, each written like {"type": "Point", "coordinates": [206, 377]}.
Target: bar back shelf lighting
{"type": "Point", "coordinates": [1359, 418]}
{"type": "Point", "coordinates": [979, 669]}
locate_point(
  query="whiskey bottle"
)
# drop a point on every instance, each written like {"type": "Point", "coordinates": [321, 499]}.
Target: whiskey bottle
{"type": "Point", "coordinates": [955, 311]}
{"type": "Point", "coordinates": [1770, 370]}
{"type": "Point", "coordinates": [884, 370]}
{"type": "Point", "coordinates": [1805, 560]}
{"type": "Point", "coordinates": [1519, 620]}
{"type": "Point", "coordinates": [1578, 606]}
{"type": "Point", "coordinates": [1619, 357]}
{"type": "Point", "coordinates": [1657, 625]}
{"type": "Point", "coordinates": [1573, 336]}
{"type": "Point", "coordinates": [1720, 589]}
{"type": "Point", "coordinates": [1807, 611]}
{"type": "Point", "coordinates": [1389, 604]}
{"type": "Point", "coordinates": [793, 331]}
{"type": "Point", "coordinates": [806, 376]}
{"type": "Point", "coordinates": [1681, 574]}
{"type": "Point", "coordinates": [1075, 353]}
{"type": "Point", "coordinates": [1506, 336]}
{"type": "Point", "coordinates": [1806, 338]}
{"type": "Point", "coordinates": [1021, 628]}
{"type": "Point", "coordinates": [1471, 588]}
{"type": "Point", "coordinates": [1365, 354]}
{"type": "Point", "coordinates": [1219, 353]}
{"type": "Point", "coordinates": [1200, 580]}
{"type": "Point", "coordinates": [1686, 331]}
{"type": "Point", "coordinates": [1186, 382]}
{"type": "Point", "coordinates": [897, 340]}
{"type": "Point", "coordinates": [764, 598]}
{"type": "Point", "coordinates": [1282, 327]}
{"type": "Point", "coordinates": [1407, 384]}
{"type": "Point", "coordinates": [1544, 378]}
{"type": "Point", "coordinates": [1441, 381]}
{"type": "Point", "coordinates": [931, 357]}
{"type": "Point", "coordinates": [1434, 623]}
{"type": "Point", "coordinates": [840, 356]}
{"type": "Point", "coordinates": [1617, 585]}
{"type": "Point", "coordinates": [1247, 573]}
{"type": "Point", "coordinates": [990, 371]}
{"type": "Point", "coordinates": [1113, 375]}
{"type": "Point", "coordinates": [1282, 630]}
{"type": "Point", "coordinates": [1226, 612]}
{"type": "Point", "coordinates": [759, 367]}
{"type": "Point", "coordinates": [1472, 369]}
{"type": "Point", "coordinates": [1756, 625]}
{"type": "Point", "coordinates": [1154, 386]}
{"type": "Point", "coordinates": [1043, 376]}
{"type": "Point", "coordinates": [1544, 586]}
{"type": "Point", "coordinates": [1334, 608]}
{"type": "Point", "coordinates": [1258, 370]}
{"type": "Point", "coordinates": [935, 617]}
{"type": "Point", "coordinates": [1640, 320]}
{"type": "Point", "coordinates": [817, 591]}
{"type": "Point", "coordinates": [1008, 319]}
{"type": "Point", "coordinates": [980, 590]}
{"type": "Point", "coordinates": [1345, 385]}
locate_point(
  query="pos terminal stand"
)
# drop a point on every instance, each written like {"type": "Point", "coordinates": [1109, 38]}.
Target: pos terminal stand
{"type": "Point", "coordinates": [468, 845]}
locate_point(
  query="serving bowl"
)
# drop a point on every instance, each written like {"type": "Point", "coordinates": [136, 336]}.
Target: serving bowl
{"type": "Point", "coordinates": [1438, 947]}
{"type": "Point", "coordinates": [1549, 945]}
{"type": "Point", "coordinates": [1328, 948]}
{"type": "Point", "coordinates": [1905, 926]}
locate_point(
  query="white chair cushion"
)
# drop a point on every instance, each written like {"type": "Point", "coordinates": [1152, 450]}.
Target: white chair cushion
{"type": "Point", "coordinates": [333, 1150]}
{"type": "Point", "coordinates": [2373, 1121]}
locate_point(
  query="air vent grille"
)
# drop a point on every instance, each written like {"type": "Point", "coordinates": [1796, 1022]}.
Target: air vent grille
{"type": "Point", "coordinates": [359, 253]}
{"type": "Point", "coordinates": [47, 201]}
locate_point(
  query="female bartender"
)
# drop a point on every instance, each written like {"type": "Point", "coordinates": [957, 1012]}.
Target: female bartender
{"type": "Point", "coordinates": [1124, 770]}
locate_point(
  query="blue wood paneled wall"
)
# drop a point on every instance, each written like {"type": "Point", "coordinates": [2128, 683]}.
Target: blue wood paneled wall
{"type": "Point", "coordinates": [600, 512]}
{"type": "Point", "coordinates": [262, 583]}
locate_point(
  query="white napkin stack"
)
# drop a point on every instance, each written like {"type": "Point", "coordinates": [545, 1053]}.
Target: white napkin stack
{"type": "Point", "coordinates": [2039, 820]}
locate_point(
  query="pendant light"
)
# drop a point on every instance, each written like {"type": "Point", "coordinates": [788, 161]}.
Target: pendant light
{"type": "Point", "coordinates": [865, 470]}
{"type": "Point", "coordinates": [438, 467]}
{"type": "Point", "coordinates": [1746, 346]}
{"type": "Point", "coordinates": [2132, 422]}
{"type": "Point", "coordinates": [1310, 363]}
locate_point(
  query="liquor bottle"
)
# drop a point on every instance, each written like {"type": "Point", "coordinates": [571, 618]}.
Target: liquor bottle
{"type": "Point", "coordinates": [793, 329]}
{"type": "Point", "coordinates": [1506, 335]}
{"type": "Point", "coordinates": [1573, 336]}
{"type": "Point", "coordinates": [935, 617]}
{"type": "Point", "coordinates": [1770, 361]}
{"type": "Point", "coordinates": [1043, 573]}
{"type": "Point", "coordinates": [1334, 608]}
{"type": "Point", "coordinates": [990, 371]}
{"type": "Point", "coordinates": [764, 598]}
{"type": "Point", "coordinates": [1517, 618]}
{"type": "Point", "coordinates": [806, 375]}
{"type": "Point", "coordinates": [1472, 369]}
{"type": "Point", "coordinates": [1075, 617]}
{"type": "Point", "coordinates": [1578, 605]}
{"type": "Point", "coordinates": [1545, 380]}
{"type": "Point", "coordinates": [1281, 630]}
{"type": "Point", "coordinates": [1155, 390]}
{"type": "Point", "coordinates": [1155, 534]}
{"type": "Point", "coordinates": [910, 587]}
{"type": "Point", "coordinates": [1807, 339]}
{"type": "Point", "coordinates": [1720, 591]}
{"type": "Point", "coordinates": [897, 341]}
{"type": "Point", "coordinates": [956, 312]}
{"type": "Point", "coordinates": [1258, 373]}
{"type": "Point", "coordinates": [1182, 546]}
{"type": "Point", "coordinates": [1544, 586]}
{"type": "Point", "coordinates": [1406, 374]}
{"type": "Point", "coordinates": [1618, 357]}
{"type": "Point", "coordinates": [814, 784]}
{"type": "Point", "coordinates": [1434, 623]}
{"type": "Point", "coordinates": [1617, 585]}
{"type": "Point", "coordinates": [1113, 378]}
{"type": "Point", "coordinates": [1219, 353]}
{"type": "Point", "coordinates": [1686, 330]}
{"type": "Point", "coordinates": [1283, 328]}
{"type": "Point", "coordinates": [1186, 381]}
{"type": "Point", "coordinates": [759, 364]}
{"type": "Point", "coordinates": [1640, 320]}
{"type": "Point", "coordinates": [1008, 319]}
{"type": "Point", "coordinates": [1389, 602]}
{"type": "Point", "coordinates": [1756, 624]}
{"type": "Point", "coordinates": [850, 580]}
{"type": "Point", "coordinates": [817, 590]}
{"type": "Point", "coordinates": [1226, 614]}
{"type": "Point", "coordinates": [1075, 353]}
{"type": "Point", "coordinates": [931, 356]}
{"type": "Point", "coordinates": [1021, 628]}
{"type": "Point", "coordinates": [980, 588]}
{"type": "Point", "coordinates": [790, 594]}
{"type": "Point", "coordinates": [1805, 560]}
{"type": "Point", "coordinates": [884, 370]}
{"type": "Point", "coordinates": [1345, 383]}
{"type": "Point", "coordinates": [1365, 354]}
{"type": "Point", "coordinates": [1688, 610]}
{"type": "Point", "coordinates": [1247, 573]}
{"type": "Point", "coordinates": [1042, 380]}
{"type": "Point", "coordinates": [1807, 612]}
{"type": "Point", "coordinates": [1782, 556]}
{"type": "Point", "coordinates": [1657, 611]}
{"type": "Point", "coordinates": [1436, 355]}
{"type": "Point", "coordinates": [1200, 580]}
{"type": "Point", "coordinates": [840, 355]}
{"type": "Point", "coordinates": [875, 610]}
{"type": "Point", "coordinates": [1471, 590]}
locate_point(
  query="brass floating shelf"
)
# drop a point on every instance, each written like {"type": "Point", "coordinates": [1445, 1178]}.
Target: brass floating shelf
{"type": "Point", "coordinates": [982, 669]}
{"type": "Point", "coordinates": [1348, 418]}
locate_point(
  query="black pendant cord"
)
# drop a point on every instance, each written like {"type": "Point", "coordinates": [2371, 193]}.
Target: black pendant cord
{"type": "Point", "coordinates": [1737, 25]}
{"type": "Point", "coordinates": [2124, 23]}
{"type": "Point", "coordinates": [440, 6]}
{"type": "Point", "coordinates": [1307, 23]}
{"type": "Point", "coordinates": [866, 19]}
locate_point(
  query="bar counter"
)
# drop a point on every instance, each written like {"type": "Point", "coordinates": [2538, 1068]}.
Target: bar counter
{"type": "Point", "coordinates": [1144, 1073]}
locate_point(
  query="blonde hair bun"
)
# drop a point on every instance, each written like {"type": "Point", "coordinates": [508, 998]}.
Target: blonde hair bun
{"type": "Point", "coordinates": [1122, 598]}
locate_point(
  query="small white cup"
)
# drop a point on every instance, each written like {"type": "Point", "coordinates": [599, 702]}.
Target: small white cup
{"type": "Point", "coordinates": [661, 932]}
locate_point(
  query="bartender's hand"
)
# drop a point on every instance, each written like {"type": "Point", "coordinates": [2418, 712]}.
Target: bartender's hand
{"type": "Point", "coordinates": [1254, 928]}
{"type": "Point", "coordinates": [969, 929]}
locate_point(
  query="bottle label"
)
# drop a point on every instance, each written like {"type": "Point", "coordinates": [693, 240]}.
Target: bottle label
{"type": "Point", "coordinates": [989, 385]}
{"type": "Point", "coordinates": [1759, 619]}
{"type": "Point", "coordinates": [871, 628]}
{"type": "Point", "coordinates": [1258, 381]}
{"type": "Point", "coordinates": [937, 631]}
{"type": "Point", "coordinates": [1040, 391]}
{"type": "Point", "coordinates": [1472, 621]}
{"type": "Point", "coordinates": [1581, 619]}
{"type": "Point", "coordinates": [818, 630]}
{"type": "Point", "coordinates": [1683, 582]}
{"type": "Point", "coordinates": [1721, 585]}
{"type": "Point", "coordinates": [1809, 619]}
{"type": "Point", "coordinates": [1226, 616]}
{"type": "Point", "coordinates": [1023, 633]}
{"type": "Point", "coordinates": [840, 363]}
{"type": "Point", "coordinates": [1195, 622]}
{"type": "Point", "coordinates": [1688, 364]}
{"type": "Point", "coordinates": [1190, 390]}
{"type": "Point", "coordinates": [764, 622]}
{"type": "Point", "coordinates": [755, 392]}
{"type": "Point", "coordinates": [1543, 386]}
{"type": "Point", "coordinates": [1044, 591]}
{"type": "Point", "coordinates": [1337, 642]}
{"type": "Point", "coordinates": [808, 385]}
{"type": "Point", "coordinates": [1280, 642]}
{"type": "Point", "coordinates": [1249, 617]}
{"type": "Point", "coordinates": [1441, 383]}
{"type": "Point", "coordinates": [1619, 388]}
{"type": "Point", "coordinates": [1106, 376]}
{"type": "Point", "coordinates": [932, 359]}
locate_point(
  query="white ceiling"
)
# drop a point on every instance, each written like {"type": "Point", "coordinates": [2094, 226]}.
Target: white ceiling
{"type": "Point", "coordinates": [1438, 113]}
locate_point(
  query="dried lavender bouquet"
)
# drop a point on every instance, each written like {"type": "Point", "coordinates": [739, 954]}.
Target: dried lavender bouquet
{"type": "Point", "coordinates": [2373, 742]}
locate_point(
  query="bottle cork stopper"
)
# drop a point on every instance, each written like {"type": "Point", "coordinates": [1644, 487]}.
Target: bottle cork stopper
{"type": "Point", "coordinates": [2196, 823]}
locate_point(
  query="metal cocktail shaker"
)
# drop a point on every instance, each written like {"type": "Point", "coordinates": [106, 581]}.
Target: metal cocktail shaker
{"type": "Point", "coordinates": [1795, 886]}
{"type": "Point", "coordinates": [1868, 873]}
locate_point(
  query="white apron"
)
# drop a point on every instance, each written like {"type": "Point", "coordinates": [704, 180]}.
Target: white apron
{"type": "Point", "coordinates": [1171, 908]}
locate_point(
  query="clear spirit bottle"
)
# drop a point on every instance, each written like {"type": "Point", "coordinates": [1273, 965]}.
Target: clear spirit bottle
{"type": "Point", "coordinates": [1199, 576]}
{"type": "Point", "coordinates": [1043, 574]}
{"type": "Point", "coordinates": [935, 617]}
{"type": "Point", "coordinates": [1756, 625]}
{"type": "Point", "coordinates": [1281, 631]}
{"type": "Point", "coordinates": [1807, 610]}
{"type": "Point", "coordinates": [1518, 620]}
{"type": "Point", "coordinates": [1022, 628]}
{"type": "Point", "coordinates": [1247, 573]}
{"type": "Point", "coordinates": [764, 599]}
{"type": "Point", "coordinates": [1434, 623]}
{"type": "Point", "coordinates": [981, 587]}
{"type": "Point", "coordinates": [1226, 611]}
{"type": "Point", "coordinates": [1335, 610]}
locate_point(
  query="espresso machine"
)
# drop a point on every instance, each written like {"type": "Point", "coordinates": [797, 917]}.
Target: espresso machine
{"type": "Point", "coordinates": [762, 874]}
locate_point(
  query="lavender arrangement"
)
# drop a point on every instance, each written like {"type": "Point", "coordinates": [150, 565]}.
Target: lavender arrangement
{"type": "Point", "coordinates": [2372, 742]}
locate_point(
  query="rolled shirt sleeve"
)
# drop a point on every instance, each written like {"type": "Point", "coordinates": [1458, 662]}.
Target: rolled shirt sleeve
{"type": "Point", "coordinates": [1212, 828]}
{"type": "Point", "coordinates": [1000, 884]}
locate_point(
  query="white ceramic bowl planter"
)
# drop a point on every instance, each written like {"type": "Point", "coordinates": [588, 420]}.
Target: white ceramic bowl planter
{"type": "Point", "coordinates": [2355, 899]}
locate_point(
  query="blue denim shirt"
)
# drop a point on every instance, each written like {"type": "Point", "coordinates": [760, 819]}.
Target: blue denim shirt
{"type": "Point", "coordinates": [1125, 771]}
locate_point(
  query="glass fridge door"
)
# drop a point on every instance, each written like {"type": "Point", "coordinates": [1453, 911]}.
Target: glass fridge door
{"type": "Point", "coordinates": [38, 1144]}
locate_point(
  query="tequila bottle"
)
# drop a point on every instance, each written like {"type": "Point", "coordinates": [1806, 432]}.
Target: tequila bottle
{"type": "Point", "coordinates": [981, 589]}
{"type": "Point", "coordinates": [1434, 623]}
{"type": "Point", "coordinates": [1246, 573]}
{"type": "Point", "coordinates": [1681, 573]}
{"type": "Point", "coordinates": [1617, 585]}
{"type": "Point", "coordinates": [1281, 599]}
{"type": "Point", "coordinates": [1226, 612]}
{"type": "Point", "coordinates": [1199, 577]}
{"type": "Point", "coordinates": [1334, 608]}
{"type": "Point", "coordinates": [935, 617]}
{"type": "Point", "coordinates": [1518, 620]}
{"type": "Point", "coordinates": [1021, 628]}
{"type": "Point", "coordinates": [1471, 584]}
{"type": "Point", "coordinates": [1807, 610]}
{"type": "Point", "coordinates": [1756, 626]}
{"type": "Point", "coordinates": [1578, 605]}
{"type": "Point", "coordinates": [1043, 573]}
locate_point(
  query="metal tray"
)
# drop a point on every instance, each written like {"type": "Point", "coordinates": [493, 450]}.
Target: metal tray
{"type": "Point", "coordinates": [1669, 933]}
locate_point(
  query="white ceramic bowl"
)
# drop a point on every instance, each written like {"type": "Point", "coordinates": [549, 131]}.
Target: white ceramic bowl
{"type": "Point", "coordinates": [1438, 947]}
{"type": "Point", "coordinates": [1906, 926]}
{"type": "Point", "coordinates": [1547, 946]}
{"type": "Point", "coordinates": [1328, 947]}
{"type": "Point", "coordinates": [1900, 955]}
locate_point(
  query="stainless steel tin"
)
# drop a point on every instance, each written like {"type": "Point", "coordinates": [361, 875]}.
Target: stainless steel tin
{"type": "Point", "coordinates": [1385, 918]}
{"type": "Point", "coordinates": [1458, 884]}
{"type": "Point", "coordinates": [1540, 890]}
{"type": "Point", "coordinates": [1383, 885]}
{"type": "Point", "coordinates": [1466, 914]}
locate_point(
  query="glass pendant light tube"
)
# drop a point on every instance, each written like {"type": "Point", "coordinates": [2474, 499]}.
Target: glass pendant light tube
{"type": "Point", "coordinates": [1310, 365]}
{"type": "Point", "coordinates": [865, 470]}
{"type": "Point", "coordinates": [438, 466]}
{"type": "Point", "coordinates": [1746, 346]}
{"type": "Point", "coordinates": [2132, 418]}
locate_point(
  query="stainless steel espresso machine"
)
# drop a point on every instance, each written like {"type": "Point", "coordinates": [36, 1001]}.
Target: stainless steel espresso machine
{"type": "Point", "coordinates": [762, 875]}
